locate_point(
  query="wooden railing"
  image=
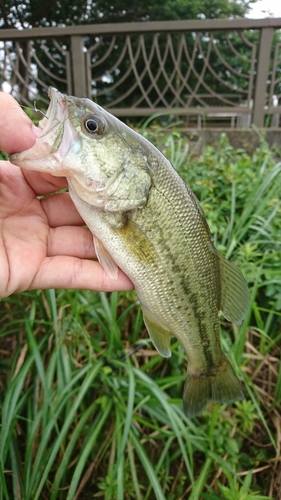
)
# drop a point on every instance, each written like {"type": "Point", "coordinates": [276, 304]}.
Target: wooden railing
{"type": "Point", "coordinates": [207, 70]}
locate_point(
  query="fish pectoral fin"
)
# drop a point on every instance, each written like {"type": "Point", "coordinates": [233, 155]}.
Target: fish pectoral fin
{"type": "Point", "coordinates": [221, 386]}
{"type": "Point", "coordinates": [105, 259]}
{"type": "Point", "coordinates": [235, 297]}
{"type": "Point", "coordinates": [137, 242]}
{"type": "Point", "coordinates": [160, 337]}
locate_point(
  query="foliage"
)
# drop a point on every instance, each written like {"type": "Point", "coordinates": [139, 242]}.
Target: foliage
{"type": "Point", "coordinates": [3, 156]}
{"type": "Point", "coordinates": [90, 410]}
{"type": "Point", "coordinates": [67, 12]}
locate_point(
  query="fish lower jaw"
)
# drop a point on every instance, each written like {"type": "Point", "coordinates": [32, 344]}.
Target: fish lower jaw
{"type": "Point", "coordinates": [44, 164]}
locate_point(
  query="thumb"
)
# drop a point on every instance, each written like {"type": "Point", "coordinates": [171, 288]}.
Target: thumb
{"type": "Point", "coordinates": [16, 128]}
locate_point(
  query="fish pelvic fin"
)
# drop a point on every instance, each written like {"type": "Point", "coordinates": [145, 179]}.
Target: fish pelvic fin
{"type": "Point", "coordinates": [235, 297]}
{"type": "Point", "coordinates": [160, 337]}
{"type": "Point", "coordinates": [106, 260]}
{"type": "Point", "coordinates": [220, 386]}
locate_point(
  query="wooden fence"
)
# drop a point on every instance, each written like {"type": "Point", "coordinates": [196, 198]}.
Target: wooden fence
{"type": "Point", "coordinates": [207, 70]}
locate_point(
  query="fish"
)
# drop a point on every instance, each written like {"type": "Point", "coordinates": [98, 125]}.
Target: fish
{"type": "Point", "coordinates": [146, 221]}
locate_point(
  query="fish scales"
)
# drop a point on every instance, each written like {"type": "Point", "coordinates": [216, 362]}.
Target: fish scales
{"type": "Point", "coordinates": [187, 266]}
{"type": "Point", "coordinates": [147, 221]}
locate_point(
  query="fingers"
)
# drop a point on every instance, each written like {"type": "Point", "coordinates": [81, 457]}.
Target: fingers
{"type": "Point", "coordinates": [41, 184]}
{"type": "Point", "coordinates": [71, 241]}
{"type": "Point", "coordinates": [44, 183]}
{"type": "Point", "coordinates": [69, 272]}
{"type": "Point", "coordinates": [61, 211]}
{"type": "Point", "coordinates": [16, 128]}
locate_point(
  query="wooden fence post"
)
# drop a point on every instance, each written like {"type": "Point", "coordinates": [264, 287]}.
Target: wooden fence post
{"type": "Point", "coordinates": [262, 76]}
{"type": "Point", "coordinates": [78, 66]}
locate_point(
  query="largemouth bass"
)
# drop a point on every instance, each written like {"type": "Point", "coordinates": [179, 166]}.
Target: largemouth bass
{"type": "Point", "coordinates": [148, 222]}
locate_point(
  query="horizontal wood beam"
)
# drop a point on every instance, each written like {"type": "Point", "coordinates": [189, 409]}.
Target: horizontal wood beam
{"type": "Point", "coordinates": [139, 27]}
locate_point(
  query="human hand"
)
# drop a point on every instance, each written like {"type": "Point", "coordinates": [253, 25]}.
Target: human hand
{"type": "Point", "coordinates": [43, 243]}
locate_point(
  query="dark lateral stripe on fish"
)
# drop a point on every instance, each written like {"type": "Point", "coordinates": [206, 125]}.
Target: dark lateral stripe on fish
{"type": "Point", "coordinates": [186, 289]}
{"type": "Point", "coordinates": [202, 330]}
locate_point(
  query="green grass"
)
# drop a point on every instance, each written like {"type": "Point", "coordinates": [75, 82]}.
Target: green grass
{"type": "Point", "coordinates": [83, 417]}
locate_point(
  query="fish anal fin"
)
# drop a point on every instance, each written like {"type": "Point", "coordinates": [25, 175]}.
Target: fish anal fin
{"type": "Point", "coordinates": [234, 292]}
{"type": "Point", "coordinates": [105, 259]}
{"type": "Point", "coordinates": [160, 337]}
{"type": "Point", "coordinates": [137, 242]}
{"type": "Point", "coordinates": [221, 386]}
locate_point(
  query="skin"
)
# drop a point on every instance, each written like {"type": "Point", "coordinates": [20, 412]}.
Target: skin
{"type": "Point", "coordinates": [43, 243]}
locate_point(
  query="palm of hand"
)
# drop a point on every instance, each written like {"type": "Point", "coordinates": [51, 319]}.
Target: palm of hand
{"type": "Point", "coordinates": [43, 243]}
{"type": "Point", "coordinates": [24, 232]}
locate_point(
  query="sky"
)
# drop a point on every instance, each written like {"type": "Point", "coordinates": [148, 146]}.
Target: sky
{"type": "Point", "coordinates": [265, 8]}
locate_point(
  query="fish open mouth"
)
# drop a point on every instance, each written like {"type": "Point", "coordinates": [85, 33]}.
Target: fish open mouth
{"type": "Point", "coordinates": [55, 111]}
{"type": "Point", "coordinates": [50, 138]}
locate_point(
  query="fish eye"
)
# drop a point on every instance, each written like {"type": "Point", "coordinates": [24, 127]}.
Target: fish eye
{"type": "Point", "coordinates": [94, 125]}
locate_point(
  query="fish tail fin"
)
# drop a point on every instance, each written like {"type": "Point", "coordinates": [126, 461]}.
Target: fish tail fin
{"type": "Point", "coordinates": [220, 386]}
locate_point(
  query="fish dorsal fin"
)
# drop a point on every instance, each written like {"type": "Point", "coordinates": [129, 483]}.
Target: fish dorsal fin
{"type": "Point", "coordinates": [105, 259]}
{"type": "Point", "coordinates": [235, 297]}
{"type": "Point", "coordinates": [160, 337]}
